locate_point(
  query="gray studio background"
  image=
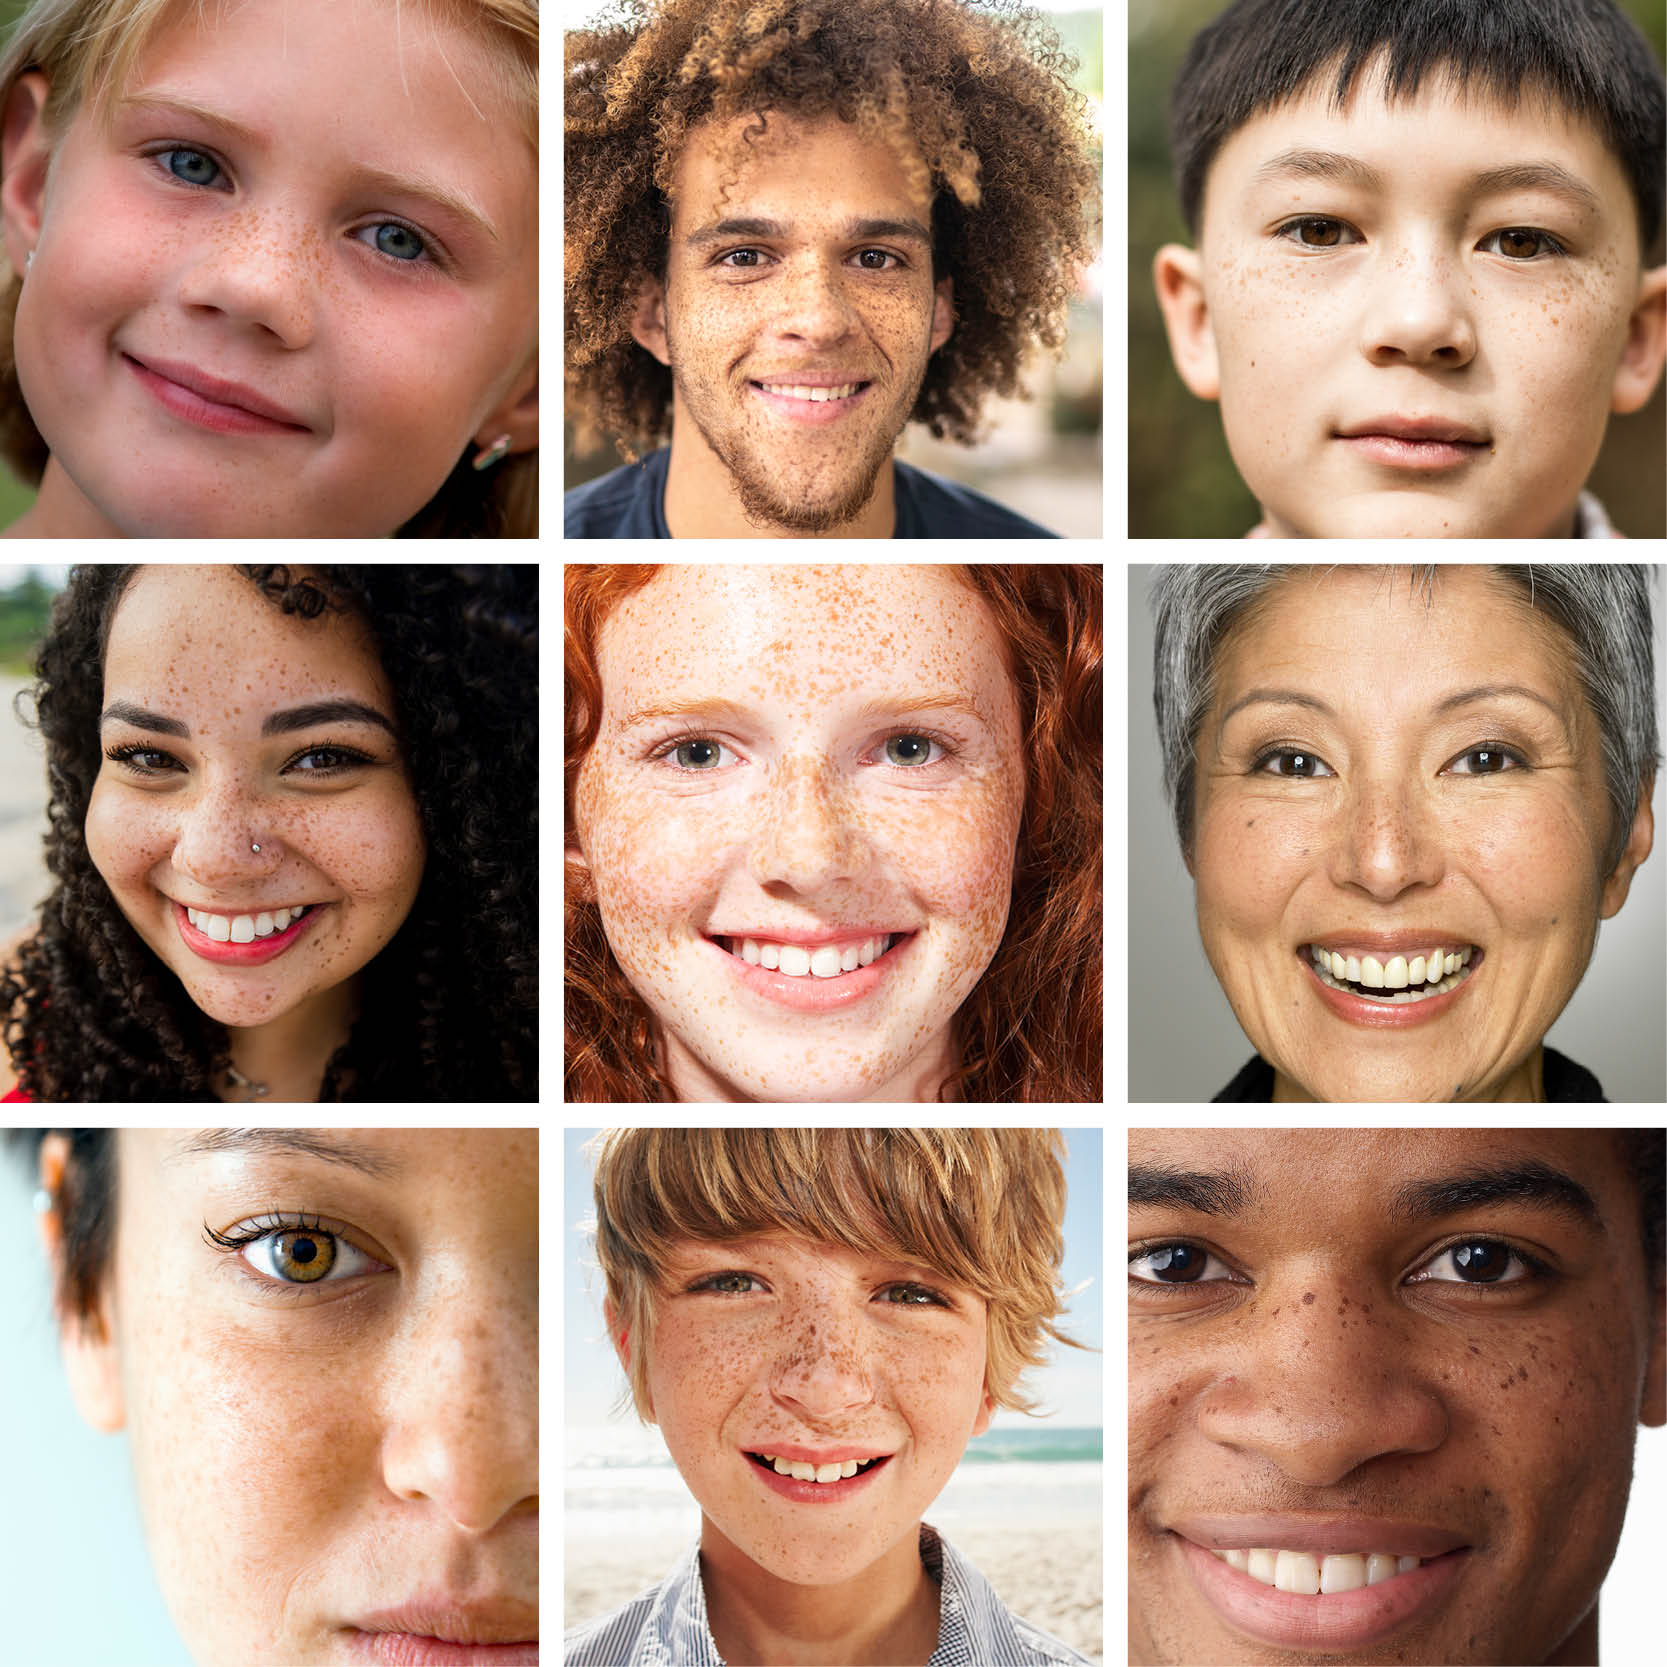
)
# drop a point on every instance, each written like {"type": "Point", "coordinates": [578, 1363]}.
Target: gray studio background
{"type": "Point", "coordinates": [1185, 1044]}
{"type": "Point", "coordinates": [78, 1585]}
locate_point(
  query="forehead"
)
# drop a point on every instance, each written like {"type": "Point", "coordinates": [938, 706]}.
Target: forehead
{"type": "Point", "coordinates": [1425, 146]}
{"type": "Point", "coordinates": [795, 169]}
{"type": "Point", "coordinates": [804, 632]}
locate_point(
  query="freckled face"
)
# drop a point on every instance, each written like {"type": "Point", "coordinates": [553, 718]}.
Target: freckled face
{"type": "Point", "coordinates": [1379, 815]}
{"type": "Point", "coordinates": [819, 299]}
{"type": "Point", "coordinates": [280, 267]}
{"type": "Point", "coordinates": [310, 1454]}
{"type": "Point", "coordinates": [814, 1346]}
{"type": "Point", "coordinates": [331, 805]}
{"type": "Point", "coordinates": [797, 815]}
{"type": "Point", "coordinates": [1336, 304]}
{"type": "Point", "coordinates": [1503, 1412]}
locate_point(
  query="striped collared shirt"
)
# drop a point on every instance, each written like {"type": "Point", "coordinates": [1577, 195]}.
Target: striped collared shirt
{"type": "Point", "coordinates": [666, 1626]}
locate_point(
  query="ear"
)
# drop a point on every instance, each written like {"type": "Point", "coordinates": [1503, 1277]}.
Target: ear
{"type": "Point", "coordinates": [25, 151]}
{"type": "Point", "coordinates": [516, 414]}
{"type": "Point", "coordinates": [1637, 849]}
{"type": "Point", "coordinates": [1178, 273]}
{"type": "Point", "coordinates": [623, 1343]}
{"type": "Point", "coordinates": [581, 883]}
{"type": "Point", "coordinates": [1646, 344]}
{"type": "Point", "coordinates": [986, 1412]}
{"type": "Point", "coordinates": [87, 1341]}
{"type": "Point", "coordinates": [648, 322]}
{"type": "Point", "coordinates": [943, 313]}
{"type": "Point", "coordinates": [1654, 1408]}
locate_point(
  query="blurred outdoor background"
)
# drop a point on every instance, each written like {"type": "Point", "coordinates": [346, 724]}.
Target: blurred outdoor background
{"type": "Point", "coordinates": [26, 595]}
{"type": "Point", "coordinates": [1182, 483]}
{"type": "Point", "coordinates": [1041, 457]}
{"type": "Point", "coordinates": [15, 497]}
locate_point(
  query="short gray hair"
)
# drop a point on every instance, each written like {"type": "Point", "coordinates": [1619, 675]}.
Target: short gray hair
{"type": "Point", "coordinates": [1604, 611]}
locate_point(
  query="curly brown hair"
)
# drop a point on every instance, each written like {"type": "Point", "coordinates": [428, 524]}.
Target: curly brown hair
{"type": "Point", "coordinates": [978, 100]}
{"type": "Point", "coordinates": [1031, 1028]}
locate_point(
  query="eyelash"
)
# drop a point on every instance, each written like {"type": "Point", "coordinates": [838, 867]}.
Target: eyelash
{"type": "Point", "coordinates": [269, 1226]}
{"type": "Point", "coordinates": [1537, 1270]}
{"type": "Point", "coordinates": [709, 1283]}
{"type": "Point", "coordinates": [126, 754]}
{"type": "Point", "coordinates": [723, 259]}
{"type": "Point", "coordinates": [1287, 750]}
{"type": "Point", "coordinates": [949, 749]}
{"type": "Point", "coordinates": [1553, 248]}
{"type": "Point", "coordinates": [431, 248]}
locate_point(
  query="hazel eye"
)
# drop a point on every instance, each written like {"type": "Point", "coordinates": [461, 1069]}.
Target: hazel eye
{"type": "Point", "coordinates": [306, 1256]}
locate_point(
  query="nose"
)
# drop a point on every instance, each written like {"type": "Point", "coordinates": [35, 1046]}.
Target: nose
{"type": "Point", "coordinates": [1388, 840]}
{"type": "Point", "coordinates": [461, 1426]}
{"type": "Point", "coordinates": [813, 307]}
{"type": "Point", "coordinates": [1417, 312]}
{"type": "Point", "coordinates": [217, 835]}
{"type": "Point", "coordinates": [1324, 1387]}
{"type": "Point", "coordinates": [251, 269]}
{"type": "Point", "coordinates": [808, 831]}
{"type": "Point", "coordinates": [821, 1372]}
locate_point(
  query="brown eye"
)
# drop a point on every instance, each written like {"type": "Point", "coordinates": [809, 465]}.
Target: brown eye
{"type": "Point", "coordinates": [1520, 245]}
{"type": "Point", "coordinates": [1320, 234]}
{"type": "Point", "coordinates": [303, 1255]}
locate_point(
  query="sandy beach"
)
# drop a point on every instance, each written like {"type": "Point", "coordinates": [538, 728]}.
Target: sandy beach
{"type": "Point", "coordinates": [1050, 1574]}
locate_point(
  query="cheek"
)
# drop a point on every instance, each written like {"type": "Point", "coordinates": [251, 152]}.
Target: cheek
{"type": "Point", "coordinates": [1247, 860]}
{"type": "Point", "coordinates": [1537, 862]}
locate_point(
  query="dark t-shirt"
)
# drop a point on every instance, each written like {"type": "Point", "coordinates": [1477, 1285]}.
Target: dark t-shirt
{"type": "Point", "coordinates": [629, 502]}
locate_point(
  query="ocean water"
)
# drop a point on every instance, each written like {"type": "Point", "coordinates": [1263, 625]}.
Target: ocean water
{"type": "Point", "coordinates": [620, 1480]}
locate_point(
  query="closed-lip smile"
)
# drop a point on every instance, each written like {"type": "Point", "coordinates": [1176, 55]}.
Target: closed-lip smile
{"type": "Point", "coordinates": [218, 391]}
{"type": "Point", "coordinates": [1437, 429]}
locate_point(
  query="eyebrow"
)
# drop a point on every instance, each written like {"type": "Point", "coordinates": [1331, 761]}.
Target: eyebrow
{"type": "Point", "coordinates": [306, 1143]}
{"type": "Point", "coordinates": [419, 186]}
{"type": "Point", "coordinates": [286, 722]}
{"type": "Point", "coordinates": [852, 231]}
{"type": "Point", "coordinates": [1451, 703]}
{"type": "Point", "coordinates": [730, 712]}
{"type": "Point", "coordinates": [1342, 169]}
{"type": "Point", "coordinates": [1227, 1192]}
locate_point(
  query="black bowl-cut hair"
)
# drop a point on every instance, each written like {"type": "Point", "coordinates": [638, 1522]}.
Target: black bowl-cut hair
{"type": "Point", "coordinates": [1585, 55]}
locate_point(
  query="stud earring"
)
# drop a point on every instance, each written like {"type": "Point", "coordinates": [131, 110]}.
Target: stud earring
{"type": "Point", "coordinates": [28, 261]}
{"type": "Point", "coordinates": [493, 454]}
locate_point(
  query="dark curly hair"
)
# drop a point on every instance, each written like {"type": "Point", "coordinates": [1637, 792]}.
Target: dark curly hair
{"type": "Point", "coordinates": [448, 1009]}
{"type": "Point", "coordinates": [978, 98]}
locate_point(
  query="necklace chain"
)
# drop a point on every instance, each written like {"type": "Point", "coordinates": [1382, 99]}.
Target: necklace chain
{"type": "Point", "coordinates": [255, 1090]}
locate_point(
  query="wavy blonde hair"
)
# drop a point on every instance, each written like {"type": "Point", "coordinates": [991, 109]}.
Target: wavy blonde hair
{"type": "Point", "coordinates": [984, 1207]}
{"type": "Point", "coordinates": [87, 50]}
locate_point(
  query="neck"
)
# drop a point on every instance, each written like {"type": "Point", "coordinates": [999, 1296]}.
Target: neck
{"type": "Point", "coordinates": [702, 500]}
{"type": "Point", "coordinates": [288, 1055]}
{"type": "Point", "coordinates": [61, 510]}
{"type": "Point", "coordinates": [1525, 1084]}
{"type": "Point", "coordinates": [1580, 1648]}
{"type": "Point", "coordinates": [888, 1613]}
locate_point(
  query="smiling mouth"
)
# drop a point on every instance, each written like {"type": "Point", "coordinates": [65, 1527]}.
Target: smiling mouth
{"type": "Point", "coordinates": [1393, 981]}
{"type": "Point", "coordinates": [799, 961]}
{"type": "Point", "coordinates": [823, 1474]}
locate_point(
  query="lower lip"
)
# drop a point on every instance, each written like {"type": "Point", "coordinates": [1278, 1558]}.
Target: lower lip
{"type": "Point", "coordinates": [1340, 1621]}
{"type": "Point", "coordinates": [1397, 453]}
{"type": "Point", "coordinates": [816, 1493]}
{"type": "Point", "coordinates": [244, 954]}
{"type": "Point", "coordinates": [811, 412]}
{"type": "Point", "coordinates": [407, 1649]}
{"type": "Point", "coordinates": [1389, 1015]}
{"type": "Point", "coordinates": [811, 994]}
{"type": "Point", "coordinates": [203, 412]}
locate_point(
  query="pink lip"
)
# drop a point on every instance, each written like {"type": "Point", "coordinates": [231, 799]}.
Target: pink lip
{"type": "Point", "coordinates": [817, 1493]}
{"type": "Point", "coordinates": [243, 954]}
{"type": "Point", "coordinates": [1402, 941]}
{"type": "Point", "coordinates": [1416, 428]}
{"type": "Point", "coordinates": [1428, 455]}
{"type": "Point", "coordinates": [1384, 1015]}
{"type": "Point", "coordinates": [811, 994]}
{"type": "Point", "coordinates": [495, 1634]}
{"type": "Point", "coordinates": [1335, 1622]}
{"type": "Point", "coordinates": [409, 1649]}
{"type": "Point", "coordinates": [210, 402]}
{"type": "Point", "coordinates": [812, 413]}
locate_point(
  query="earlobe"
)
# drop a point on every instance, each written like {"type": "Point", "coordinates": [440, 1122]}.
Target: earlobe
{"type": "Point", "coordinates": [1638, 846]}
{"type": "Point", "coordinates": [25, 152]}
{"type": "Point", "coordinates": [515, 415]}
{"type": "Point", "coordinates": [648, 322]}
{"type": "Point", "coordinates": [1178, 273]}
{"type": "Point", "coordinates": [1646, 345]}
{"type": "Point", "coordinates": [943, 313]}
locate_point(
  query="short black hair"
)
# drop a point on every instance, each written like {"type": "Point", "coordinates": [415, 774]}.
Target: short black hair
{"type": "Point", "coordinates": [1586, 55]}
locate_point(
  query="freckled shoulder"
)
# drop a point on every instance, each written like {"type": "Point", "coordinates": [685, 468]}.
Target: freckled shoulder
{"type": "Point", "coordinates": [9, 948]}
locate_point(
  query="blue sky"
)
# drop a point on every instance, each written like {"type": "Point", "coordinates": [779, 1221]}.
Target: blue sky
{"type": "Point", "coordinates": [1069, 1387]}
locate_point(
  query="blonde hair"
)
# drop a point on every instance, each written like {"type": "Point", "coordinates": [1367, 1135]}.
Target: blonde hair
{"type": "Point", "coordinates": [985, 1207]}
{"type": "Point", "coordinates": [87, 50]}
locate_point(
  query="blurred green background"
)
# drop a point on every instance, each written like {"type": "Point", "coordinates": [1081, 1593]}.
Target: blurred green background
{"type": "Point", "coordinates": [1182, 483]}
{"type": "Point", "coordinates": [15, 497]}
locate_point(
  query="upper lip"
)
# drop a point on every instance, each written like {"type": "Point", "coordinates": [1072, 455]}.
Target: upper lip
{"type": "Point", "coordinates": [499, 1621]}
{"type": "Point", "coordinates": [1397, 942]}
{"type": "Point", "coordinates": [1321, 1533]}
{"type": "Point", "coordinates": [818, 1455]}
{"type": "Point", "coordinates": [809, 937]}
{"type": "Point", "coordinates": [1416, 428]}
{"type": "Point", "coordinates": [811, 378]}
{"type": "Point", "coordinates": [220, 390]}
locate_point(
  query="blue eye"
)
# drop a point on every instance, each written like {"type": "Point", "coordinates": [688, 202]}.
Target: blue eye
{"type": "Point", "coordinates": [399, 241]}
{"type": "Point", "coordinates": [193, 167]}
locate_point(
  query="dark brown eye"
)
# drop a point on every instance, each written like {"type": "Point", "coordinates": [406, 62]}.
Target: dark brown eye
{"type": "Point", "coordinates": [1320, 234]}
{"type": "Point", "coordinates": [1170, 1264]}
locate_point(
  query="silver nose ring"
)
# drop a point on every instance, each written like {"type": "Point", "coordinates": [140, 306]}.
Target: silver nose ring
{"type": "Point", "coordinates": [255, 849]}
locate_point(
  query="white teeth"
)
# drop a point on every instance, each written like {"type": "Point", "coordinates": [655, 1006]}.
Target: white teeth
{"type": "Point", "coordinates": [802, 1471]}
{"type": "Point", "coordinates": [796, 961]}
{"type": "Point", "coordinates": [243, 928]}
{"type": "Point", "coordinates": [817, 395]}
{"type": "Point", "coordinates": [1314, 1574]}
{"type": "Point", "coordinates": [1425, 976]}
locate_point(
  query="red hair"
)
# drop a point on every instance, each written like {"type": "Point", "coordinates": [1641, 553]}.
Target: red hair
{"type": "Point", "coordinates": [1031, 1028]}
